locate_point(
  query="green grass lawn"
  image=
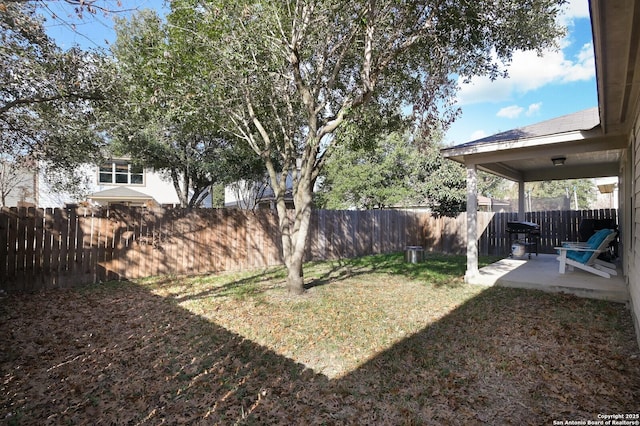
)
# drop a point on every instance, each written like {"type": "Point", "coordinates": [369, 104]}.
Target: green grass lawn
{"type": "Point", "coordinates": [374, 340]}
{"type": "Point", "coordinates": [352, 310]}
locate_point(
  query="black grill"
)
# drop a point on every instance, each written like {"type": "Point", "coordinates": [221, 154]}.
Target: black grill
{"type": "Point", "coordinates": [530, 232]}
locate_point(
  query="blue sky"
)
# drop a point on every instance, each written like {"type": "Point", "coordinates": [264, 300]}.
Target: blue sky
{"type": "Point", "coordinates": [538, 88]}
{"type": "Point", "coordinates": [92, 30]}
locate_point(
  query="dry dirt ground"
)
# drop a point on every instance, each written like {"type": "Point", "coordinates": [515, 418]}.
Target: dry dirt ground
{"type": "Point", "coordinates": [122, 354]}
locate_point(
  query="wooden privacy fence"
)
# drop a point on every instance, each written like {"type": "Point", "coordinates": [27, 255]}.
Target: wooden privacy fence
{"type": "Point", "coordinates": [555, 227]}
{"type": "Point", "coordinates": [48, 248]}
{"type": "Point", "coordinates": [64, 247]}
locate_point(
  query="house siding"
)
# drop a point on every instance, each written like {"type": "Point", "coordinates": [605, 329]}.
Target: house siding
{"type": "Point", "coordinates": [49, 197]}
{"type": "Point", "coordinates": [630, 205]}
{"type": "Point", "coordinates": [155, 185]}
{"type": "Point", "coordinates": [21, 189]}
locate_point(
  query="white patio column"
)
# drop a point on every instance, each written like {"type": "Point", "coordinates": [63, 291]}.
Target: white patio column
{"type": "Point", "coordinates": [472, 223]}
{"type": "Point", "coordinates": [521, 201]}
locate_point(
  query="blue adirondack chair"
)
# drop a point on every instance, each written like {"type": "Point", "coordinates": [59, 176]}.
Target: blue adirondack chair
{"type": "Point", "coordinates": [585, 255]}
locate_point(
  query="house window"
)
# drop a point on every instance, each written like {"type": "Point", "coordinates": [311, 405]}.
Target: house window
{"type": "Point", "coordinates": [121, 173]}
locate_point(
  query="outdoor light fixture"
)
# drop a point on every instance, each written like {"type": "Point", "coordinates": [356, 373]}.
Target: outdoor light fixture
{"type": "Point", "coordinates": [558, 161]}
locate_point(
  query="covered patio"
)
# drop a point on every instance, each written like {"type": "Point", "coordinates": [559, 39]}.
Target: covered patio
{"type": "Point", "coordinates": [587, 144]}
{"type": "Point", "coordinates": [541, 273]}
{"type": "Point", "coordinates": [603, 142]}
{"type": "Point", "coordinates": [569, 147]}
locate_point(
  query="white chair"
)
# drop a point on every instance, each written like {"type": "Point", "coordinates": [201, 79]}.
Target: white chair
{"type": "Point", "coordinates": [585, 255]}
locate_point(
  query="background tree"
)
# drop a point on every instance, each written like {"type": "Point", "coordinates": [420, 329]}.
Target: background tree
{"type": "Point", "coordinates": [403, 169]}
{"type": "Point", "coordinates": [370, 164]}
{"type": "Point", "coordinates": [290, 73]}
{"type": "Point", "coordinates": [165, 118]}
{"type": "Point", "coordinates": [442, 183]}
{"type": "Point", "coordinates": [368, 179]}
{"type": "Point", "coordinates": [495, 187]}
{"type": "Point", "coordinates": [48, 97]}
{"type": "Point", "coordinates": [584, 190]}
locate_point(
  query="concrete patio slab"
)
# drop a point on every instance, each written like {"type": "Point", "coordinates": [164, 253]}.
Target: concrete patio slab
{"type": "Point", "coordinates": [541, 273]}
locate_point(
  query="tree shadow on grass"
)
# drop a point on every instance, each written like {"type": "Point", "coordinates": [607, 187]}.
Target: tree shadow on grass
{"type": "Point", "coordinates": [439, 270]}
{"type": "Point", "coordinates": [122, 355]}
{"type": "Point", "coordinates": [508, 356]}
{"type": "Point", "coordinates": [251, 284]}
{"type": "Point", "coordinates": [117, 354]}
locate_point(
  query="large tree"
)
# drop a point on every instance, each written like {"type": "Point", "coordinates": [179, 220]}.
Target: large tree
{"type": "Point", "coordinates": [290, 73]}
{"type": "Point", "coordinates": [48, 96]}
{"type": "Point", "coordinates": [166, 117]}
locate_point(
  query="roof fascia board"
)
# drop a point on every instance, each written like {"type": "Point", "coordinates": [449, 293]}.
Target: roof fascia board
{"type": "Point", "coordinates": [532, 151]}
{"type": "Point", "coordinates": [121, 198]}
{"type": "Point", "coordinates": [492, 147]}
{"type": "Point", "coordinates": [597, 20]}
{"type": "Point", "coordinates": [594, 137]}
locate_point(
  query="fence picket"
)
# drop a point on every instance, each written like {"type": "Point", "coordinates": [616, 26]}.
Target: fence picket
{"type": "Point", "coordinates": [149, 244]}
{"type": "Point", "coordinates": [12, 248]}
{"type": "Point", "coordinates": [30, 249]}
{"type": "Point", "coordinates": [71, 244]}
{"type": "Point", "coordinates": [161, 244]}
{"type": "Point", "coordinates": [4, 247]}
{"type": "Point", "coordinates": [21, 249]}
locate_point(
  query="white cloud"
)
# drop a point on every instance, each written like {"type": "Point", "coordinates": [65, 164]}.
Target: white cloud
{"type": "Point", "coordinates": [529, 71]}
{"type": "Point", "coordinates": [586, 54]}
{"type": "Point", "coordinates": [515, 111]}
{"type": "Point", "coordinates": [512, 111]}
{"type": "Point", "coordinates": [574, 9]}
{"type": "Point", "coordinates": [534, 109]}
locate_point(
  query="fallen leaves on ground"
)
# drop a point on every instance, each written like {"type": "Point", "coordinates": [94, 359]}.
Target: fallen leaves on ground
{"type": "Point", "coordinates": [365, 347]}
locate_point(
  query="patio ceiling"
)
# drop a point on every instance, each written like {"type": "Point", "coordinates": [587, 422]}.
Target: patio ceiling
{"type": "Point", "coordinates": [592, 141]}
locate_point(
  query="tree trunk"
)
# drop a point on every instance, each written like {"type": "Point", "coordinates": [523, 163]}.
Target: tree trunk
{"type": "Point", "coordinates": [294, 255]}
{"type": "Point", "coordinates": [295, 279]}
{"type": "Point", "coordinates": [184, 199]}
{"type": "Point", "coordinates": [175, 179]}
{"type": "Point", "coordinates": [294, 230]}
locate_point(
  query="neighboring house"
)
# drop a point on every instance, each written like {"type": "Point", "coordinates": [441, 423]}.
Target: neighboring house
{"type": "Point", "coordinates": [17, 185]}
{"type": "Point", "coordinates": [488, 204]}
{"type": "Point", "coordinates": [115, 182]}
{"type": "Point", "coordinates": [607, 195]}
{"type": "Point", "coordinates": [597, 143]}
{"type": "Point", "coordinates": [244, 194]}
{"type": "Point", "coordinates": [251, 195]}
{"type": "Point", "coordinates": [118, 181]}
{"type": "Point", "coordinates": [255, 195]}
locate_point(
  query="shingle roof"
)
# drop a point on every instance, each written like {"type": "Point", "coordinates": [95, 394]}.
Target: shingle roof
{"type": "Point", "coordinates": [582, 120]}
{"type": "Point", "coordinates": [120, 193]}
